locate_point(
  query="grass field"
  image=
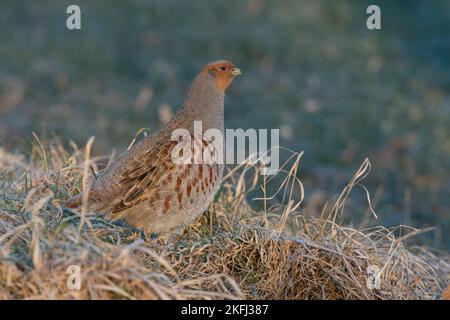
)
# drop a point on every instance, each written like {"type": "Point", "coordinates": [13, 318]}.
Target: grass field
{"type": "Point", "coordinates": [232, 252]}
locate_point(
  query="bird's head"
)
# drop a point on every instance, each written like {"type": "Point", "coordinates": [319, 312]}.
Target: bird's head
{"type": "Point", "coordinates": [222, 73]}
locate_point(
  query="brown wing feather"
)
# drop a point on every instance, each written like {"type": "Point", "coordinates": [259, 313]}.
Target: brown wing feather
{"type": "Point", "coordinates": [143, 175]}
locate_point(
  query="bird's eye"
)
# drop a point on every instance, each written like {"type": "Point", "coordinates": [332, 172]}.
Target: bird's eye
{"type": "Point", "coordinates": [222, 68]}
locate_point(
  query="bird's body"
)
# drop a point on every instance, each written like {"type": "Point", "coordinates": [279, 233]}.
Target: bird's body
{"type": "Point", "coordinates": [145, 186]}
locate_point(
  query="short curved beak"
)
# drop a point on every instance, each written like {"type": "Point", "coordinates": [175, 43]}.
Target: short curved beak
{"type": "Point", "coordinates": [236, 72]}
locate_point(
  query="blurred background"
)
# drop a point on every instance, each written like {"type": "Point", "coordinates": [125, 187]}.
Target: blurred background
{"type": "Point", "coordinates": [337, 90]}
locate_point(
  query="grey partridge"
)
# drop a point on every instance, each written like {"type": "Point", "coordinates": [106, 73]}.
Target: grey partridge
{"type": "Point", "coordinates": [145, 186]}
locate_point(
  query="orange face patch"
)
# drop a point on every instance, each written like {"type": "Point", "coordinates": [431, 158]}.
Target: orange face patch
{"type": "Point", "coordinates": [223, 73]}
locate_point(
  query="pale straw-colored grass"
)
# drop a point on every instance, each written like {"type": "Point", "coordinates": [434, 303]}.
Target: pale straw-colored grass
{"type": "Point", "coordinates": [234, 251]}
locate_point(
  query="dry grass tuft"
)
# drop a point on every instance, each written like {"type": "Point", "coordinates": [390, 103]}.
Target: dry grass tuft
{"type": "Point", "coordinates": [232, 252]}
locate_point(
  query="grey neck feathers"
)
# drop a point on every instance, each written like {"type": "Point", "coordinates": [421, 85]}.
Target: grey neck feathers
{"type": "Point", "coordinates": [204, 102]}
